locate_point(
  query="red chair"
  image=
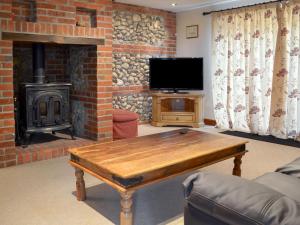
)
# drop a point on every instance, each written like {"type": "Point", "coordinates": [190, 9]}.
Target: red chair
{"type": "Point", "coordinates": [125, 124]}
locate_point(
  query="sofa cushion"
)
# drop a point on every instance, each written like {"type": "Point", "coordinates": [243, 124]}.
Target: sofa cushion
{"type": "Point", "coordinates": [285, 184]}
{"type": "Point", "coordinates": [235, 200]}
{"type": "Point", "coordinates": [120, 115]}
{"type": "Point", "coordinates": [193, 216]}
{"type": "Point", "coordinates": [292, 168]}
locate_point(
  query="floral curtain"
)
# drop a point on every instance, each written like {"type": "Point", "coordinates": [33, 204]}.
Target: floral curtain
{"type": "Point", "coordinates": [256, 69]}
{"type": "Point", "coordinates": [285, 107]}
{"type": "Point", "coordinates": [244, 44]}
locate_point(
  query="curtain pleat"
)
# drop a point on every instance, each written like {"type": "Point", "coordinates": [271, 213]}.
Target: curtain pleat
{"type": "Point", "coordinates": [285, 108]}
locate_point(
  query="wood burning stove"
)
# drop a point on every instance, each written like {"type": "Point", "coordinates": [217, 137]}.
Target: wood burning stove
{"type": "Point", "coordinates": [44, 106]}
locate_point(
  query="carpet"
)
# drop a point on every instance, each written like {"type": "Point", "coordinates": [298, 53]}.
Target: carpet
{"type": "Point", "coordinates": [43, 192]}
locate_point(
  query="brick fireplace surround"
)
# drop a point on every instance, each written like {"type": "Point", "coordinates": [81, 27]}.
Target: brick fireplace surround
{"type": "Point", "coordinates": [100, 85]}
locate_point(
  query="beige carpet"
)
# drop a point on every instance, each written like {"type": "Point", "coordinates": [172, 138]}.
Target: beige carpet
{"type": "Point", "coordinates": [42, 193]}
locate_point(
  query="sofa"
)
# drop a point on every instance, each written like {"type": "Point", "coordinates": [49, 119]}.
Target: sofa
{"type": "Point", "coordinates": [271, 199]}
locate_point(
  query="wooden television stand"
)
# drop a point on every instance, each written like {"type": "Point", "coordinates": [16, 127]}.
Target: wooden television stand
{"type": "Point", "coordinates": [177, 109]}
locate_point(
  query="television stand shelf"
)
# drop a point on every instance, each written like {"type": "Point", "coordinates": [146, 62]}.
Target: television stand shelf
{"type": "Point", "coordinates": [177, 109]}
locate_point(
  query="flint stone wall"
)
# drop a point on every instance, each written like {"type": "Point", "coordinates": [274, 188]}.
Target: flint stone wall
{"type": "Point", "coordinates": [138, 28]}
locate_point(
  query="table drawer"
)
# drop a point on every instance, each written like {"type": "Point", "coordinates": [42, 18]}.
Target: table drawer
{"type": "Point", "coordinates": [181, 118]}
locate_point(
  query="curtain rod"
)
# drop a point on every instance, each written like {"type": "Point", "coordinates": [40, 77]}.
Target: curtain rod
{"type": "Point", "coordinates": [263, 3]}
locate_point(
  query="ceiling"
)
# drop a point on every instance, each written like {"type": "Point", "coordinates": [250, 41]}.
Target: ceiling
{"type": "Point", "coordinates": [181, 5]}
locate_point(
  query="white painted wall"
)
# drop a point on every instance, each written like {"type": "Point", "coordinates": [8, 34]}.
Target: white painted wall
{"type": "Point", "coordinates": [201, 46]}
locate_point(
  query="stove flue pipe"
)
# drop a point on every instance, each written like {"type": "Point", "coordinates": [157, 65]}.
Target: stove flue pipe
{"type": "Point", "coordinates": [38, 60]}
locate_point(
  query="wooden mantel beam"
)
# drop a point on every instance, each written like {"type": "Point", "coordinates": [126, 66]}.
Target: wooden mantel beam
{"type": "Point", "coordinates": [44, 38]}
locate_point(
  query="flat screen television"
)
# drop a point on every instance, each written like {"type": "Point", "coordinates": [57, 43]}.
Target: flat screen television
{"type": "Point", "coordinates": [174, 74]}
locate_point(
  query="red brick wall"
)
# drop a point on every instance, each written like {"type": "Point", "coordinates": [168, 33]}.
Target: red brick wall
{"type": "Point", "coordinates": [56, 57]}
{"type": "Point", "coordinates": [85, 18]}
{"type": "Point", "coordinates": [21, 10]}
{"type": "Point", "coordinates": [57, 17]}
{"type": "Point", "coordinates": [56, 60]}
{"type": "Point", "coordinates": [7, 123]}
{"type": "Point", "coordinates": [7, 129]}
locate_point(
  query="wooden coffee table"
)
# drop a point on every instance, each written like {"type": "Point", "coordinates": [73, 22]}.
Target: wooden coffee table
{"type": "Point", "coordinates": [130, 164]}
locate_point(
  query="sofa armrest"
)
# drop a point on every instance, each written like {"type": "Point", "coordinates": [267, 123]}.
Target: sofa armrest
{"type": "Point", "coordinates": [235, 200]}
{"type": "Point", "coordinates": [292, 168]}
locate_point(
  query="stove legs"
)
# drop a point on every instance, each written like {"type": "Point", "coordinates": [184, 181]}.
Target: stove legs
{"type": "Point", "coordinates": [71, 131]}
{"type": "Point", "coordinates": [27, 139]}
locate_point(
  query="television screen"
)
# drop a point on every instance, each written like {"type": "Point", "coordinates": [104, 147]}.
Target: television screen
{"type": "Point", "coordinates": [176, 73]}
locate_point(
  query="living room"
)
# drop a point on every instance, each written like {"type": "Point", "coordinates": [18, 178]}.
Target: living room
{"type": "Point", "coordinates": [149, 112]}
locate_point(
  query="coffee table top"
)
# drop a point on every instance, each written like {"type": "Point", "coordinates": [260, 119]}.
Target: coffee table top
{"type": "Point", "coordinates": [132, 157]}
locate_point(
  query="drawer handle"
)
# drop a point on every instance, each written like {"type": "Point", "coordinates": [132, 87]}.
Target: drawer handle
{"type": "Point", "coordinates": [177, 118]}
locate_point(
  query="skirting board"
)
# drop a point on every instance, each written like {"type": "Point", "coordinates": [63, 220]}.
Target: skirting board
{"type": "Point", "coordinates": [210, 122]}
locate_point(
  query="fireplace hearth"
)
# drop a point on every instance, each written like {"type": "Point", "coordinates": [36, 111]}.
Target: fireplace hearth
{"type": "Point", "coordinates": [43, 107]}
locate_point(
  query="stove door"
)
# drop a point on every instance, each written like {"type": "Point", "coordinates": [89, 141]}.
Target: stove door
{"type": "Point", "coordinates": [48, 109]}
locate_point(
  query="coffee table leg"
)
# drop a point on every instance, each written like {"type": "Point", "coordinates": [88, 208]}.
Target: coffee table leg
{"type": "Point", "coordinates": [80, 185]}
{"type": "Point", "coordinates": [126, 217]}
{"type": "Point", "coordinates": [237, 166]}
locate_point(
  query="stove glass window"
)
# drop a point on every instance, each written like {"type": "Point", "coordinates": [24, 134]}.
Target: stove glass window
{"type": "Point", "coordinates": [57, 108]}
{"type": "Point", "coordinates": [43, 109]}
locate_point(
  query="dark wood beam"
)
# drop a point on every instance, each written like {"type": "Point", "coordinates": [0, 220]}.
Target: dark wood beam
{"type": "Point", "coordinates": [44, 38]}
